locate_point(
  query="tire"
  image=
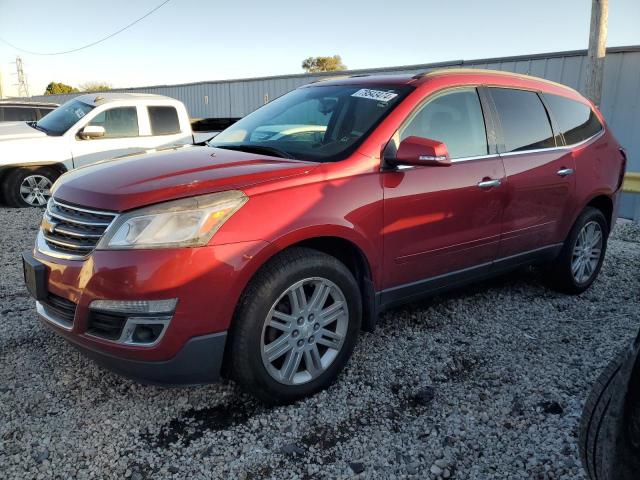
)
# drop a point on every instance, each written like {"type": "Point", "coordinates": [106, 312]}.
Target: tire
{"type": "Point", "coordinates": [39, 179]}
{"type": "Point", "coordinates": [609, 440]}
{"type": "Point", "coordinates": [246, 359]}
{"type": "Point", "coordinates": [559, 275]}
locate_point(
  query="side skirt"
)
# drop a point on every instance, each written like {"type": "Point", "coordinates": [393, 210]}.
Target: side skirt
{"type": "Point", "coordinates": [401, 294]}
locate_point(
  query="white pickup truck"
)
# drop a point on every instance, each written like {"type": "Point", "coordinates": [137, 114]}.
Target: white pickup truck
{"type": "Point", "coordinates": [85, 130]}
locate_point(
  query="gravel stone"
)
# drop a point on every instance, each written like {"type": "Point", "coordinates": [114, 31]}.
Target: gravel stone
{"type": "Point", "coordinates": [494, 353]}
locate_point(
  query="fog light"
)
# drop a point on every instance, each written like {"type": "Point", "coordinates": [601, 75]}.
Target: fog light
{"type": "Point", "coordinates": [135, 307]}
{"type": "Point", "coordinates": [146, 333]}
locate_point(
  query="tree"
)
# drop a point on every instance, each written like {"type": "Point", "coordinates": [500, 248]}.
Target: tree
{"type": "Point", "coordinates": [323, 64]}
{"type": "Point", "coordinates": [55, 88]}
{"type": "Point", "coordinates": [93, 87]}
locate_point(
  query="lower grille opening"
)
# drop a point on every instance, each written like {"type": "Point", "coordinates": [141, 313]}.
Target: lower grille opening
{"type": "Point", "coordinates": [61, 309]}
{"type": "Point", "coordinates": [106, 325]}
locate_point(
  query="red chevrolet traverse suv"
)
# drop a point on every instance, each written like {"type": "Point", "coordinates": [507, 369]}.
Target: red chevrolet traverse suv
{"type": "Point", "coordinates": [262, 254]}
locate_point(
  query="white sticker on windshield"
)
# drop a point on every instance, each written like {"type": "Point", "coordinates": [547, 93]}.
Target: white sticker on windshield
{"type": "Point", "coordinates": [79, 113]}
{"type": "Point", "coordinates": [377, 95]}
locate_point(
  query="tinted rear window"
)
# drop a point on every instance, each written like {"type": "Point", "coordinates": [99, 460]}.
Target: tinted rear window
{"type": "Point", "coordinates": [164, 120]}
{"type": "Point", "coordinates": [525, 125]}
{"type": "Point", "coordinates": [576, 121]}
{"type": "Point", "coordinates": [19, 114]}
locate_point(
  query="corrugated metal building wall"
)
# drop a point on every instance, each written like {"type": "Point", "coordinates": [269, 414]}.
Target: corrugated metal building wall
{"type": "Point", "coordinates": [620, 98]}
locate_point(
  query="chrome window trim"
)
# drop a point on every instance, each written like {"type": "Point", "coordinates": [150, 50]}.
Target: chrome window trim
{"type": "Point", "coordinates": [558, 147]}
{"type": "Point", "coordinates": [41, 309]}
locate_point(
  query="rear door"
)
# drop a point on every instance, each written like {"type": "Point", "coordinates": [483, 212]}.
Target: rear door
{"type": "Point", "coordinates": [440, 225]}
{"type": "Point", "coordinates": [166, 127]}
{"type": "Point", "coordinates": [540, 174]}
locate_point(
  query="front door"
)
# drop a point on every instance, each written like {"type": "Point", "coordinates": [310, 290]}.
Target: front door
{"type": "Point", "coordinates": [442, 224]}
{"type": "Point", "coordinates": [122, 137]}
{"type": "Point", "coordinates": [540, 175]}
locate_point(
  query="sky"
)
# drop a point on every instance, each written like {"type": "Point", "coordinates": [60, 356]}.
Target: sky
{"type": "Point", "coordinates": [191, 40]}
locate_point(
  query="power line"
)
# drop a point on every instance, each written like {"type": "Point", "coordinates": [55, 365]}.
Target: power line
{"type": "Point", "coordinates": [90, 44]}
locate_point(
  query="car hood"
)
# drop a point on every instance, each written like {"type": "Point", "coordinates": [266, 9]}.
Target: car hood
{"type": "Point", "coordinates": [140, 180]}
{"type": "Point", "coordinates": [18, 130]}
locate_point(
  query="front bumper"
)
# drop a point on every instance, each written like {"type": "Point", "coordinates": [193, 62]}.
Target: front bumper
{"type": "Point", "coordinates": [198, 362]}
{"type": "Point", "coordinates": [207, 282]}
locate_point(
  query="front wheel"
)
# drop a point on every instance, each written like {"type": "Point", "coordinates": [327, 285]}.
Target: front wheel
{"type": "Point", "coordinates": [25, 187]}
{"type": "Point", "coordinates": [582, 254]}
{"type": "Point", "coordinates": [295, 327]}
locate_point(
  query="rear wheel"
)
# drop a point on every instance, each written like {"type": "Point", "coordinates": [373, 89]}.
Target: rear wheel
{"type": "Point", "coordinates": [582, 254]}
{"type": "Point", "coordinates": [25, 187]}
{"type": "Point", "coordinates": [295, 327]}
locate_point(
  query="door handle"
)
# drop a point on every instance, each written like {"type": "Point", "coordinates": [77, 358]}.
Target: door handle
{"type": "Point", "coordinates": [489, 183]}
{"type": "Point", "coordinates": [564, 172]}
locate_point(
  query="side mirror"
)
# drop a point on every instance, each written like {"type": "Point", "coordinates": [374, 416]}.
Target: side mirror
{"type": "Point", "coordinates": [91, 131]}
{"type": "Point", "coordinates": [422, 151]}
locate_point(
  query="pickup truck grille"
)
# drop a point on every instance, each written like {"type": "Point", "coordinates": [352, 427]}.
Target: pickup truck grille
{"type": "Point", "coordinates": [73, 230]}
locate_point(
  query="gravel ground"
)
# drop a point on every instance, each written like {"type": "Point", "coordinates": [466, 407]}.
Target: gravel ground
{"type": "Point", "coordinates": [486, 382]}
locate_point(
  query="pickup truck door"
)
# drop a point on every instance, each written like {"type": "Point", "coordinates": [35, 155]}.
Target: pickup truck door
{"type": "Point", "coordinates": [123, 135]}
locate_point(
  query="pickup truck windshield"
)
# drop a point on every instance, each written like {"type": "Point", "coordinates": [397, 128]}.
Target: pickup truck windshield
{"type": "Point", "coordinates": [64, 117]}
{"type": "Point", "coordinates": [318, 123]}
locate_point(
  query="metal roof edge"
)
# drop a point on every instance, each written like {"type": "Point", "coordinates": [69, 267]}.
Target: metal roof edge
{"type": "Point", "coordinates": [451, 63]}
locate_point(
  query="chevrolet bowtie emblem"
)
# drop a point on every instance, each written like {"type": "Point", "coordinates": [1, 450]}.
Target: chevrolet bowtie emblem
{"type": "Point", "coordinates": [48, 225]}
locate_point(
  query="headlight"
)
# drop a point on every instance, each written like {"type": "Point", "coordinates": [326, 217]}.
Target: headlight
{"type": "Point", "coordinates": [187, 222]}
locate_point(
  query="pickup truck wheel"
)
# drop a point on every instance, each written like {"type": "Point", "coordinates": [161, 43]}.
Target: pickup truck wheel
{"type": "Point", "coordinates": [582, 254]}
{"type": "Point", "coordinates": [295, 326]}
{"type": "Point", "coordinates": [25, 187]}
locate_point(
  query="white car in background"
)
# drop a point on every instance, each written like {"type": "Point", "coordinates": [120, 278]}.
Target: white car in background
{"type": "Point", "coordinates": [85, 130]}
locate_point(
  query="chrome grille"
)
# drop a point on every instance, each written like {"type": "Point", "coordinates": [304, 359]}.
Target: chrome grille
{"type": "Point", "coordinates": [72, 230]}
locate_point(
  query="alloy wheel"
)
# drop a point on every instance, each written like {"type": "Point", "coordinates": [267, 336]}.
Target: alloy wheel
{"type": "Point", "coordinates": [35, 190]}
{"type": "Point", "coordinates": [304, 331]}
{"type": "Point", "coordinates": [586, 252]}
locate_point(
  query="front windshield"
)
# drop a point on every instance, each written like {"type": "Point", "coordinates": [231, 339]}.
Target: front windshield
{"type": "Point", "coordinates": [318, 123]}
{"type": "Point", "coordinates": [62, 118]}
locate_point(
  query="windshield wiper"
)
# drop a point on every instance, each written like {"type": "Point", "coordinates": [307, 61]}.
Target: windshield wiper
{"type": "Point", "coordinates": [246, 147]}
{"type": "Point", "coordinates": [37, 127]}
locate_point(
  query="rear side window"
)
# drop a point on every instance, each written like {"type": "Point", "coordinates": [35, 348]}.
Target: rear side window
{"type": "Point", "coordinates": [454, 118]}
{"type": "Point", "coordinates": [19, 114]}
{"type": "Point", "coordinates": [164, 120]}
{"type": "Point", "coordinates": [524, 120]}
{"type": "Point", "coordinates": [576, 121]}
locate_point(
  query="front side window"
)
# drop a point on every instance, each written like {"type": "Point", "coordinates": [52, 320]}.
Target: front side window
{"type": "Point", "coordinates": [320, 123]}
{"type": "Point", "coordinates": [117, 122]}
{"type": "Point", "coordinates": [454, 118]}
{"type": "Point", "coordinates": [576, 120]}
{"type": "Point", "coordinates": [524, 120]}
{"type": "Point", "coordinates": [64, 117]}
{"type": "Point", "coordinates": [164, 120]}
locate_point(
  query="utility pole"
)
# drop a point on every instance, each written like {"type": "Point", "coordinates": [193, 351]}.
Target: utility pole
{"type": "Point", "coordinates": [597, 49]}
{"type": "Point", "coordinates": [23, 86]}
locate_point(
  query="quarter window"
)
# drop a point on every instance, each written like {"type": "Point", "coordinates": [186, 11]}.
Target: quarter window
{"type": "Point", "coordinates": [576, 121]}
{"type": "Point", "coordinates": [454, 118]}
{"type": "Point", "coordinates": [164, 120]}
{"type": "Point", "coordinates": [118, 122]}
{"type": "Point", "coordinates": [524, 120]}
